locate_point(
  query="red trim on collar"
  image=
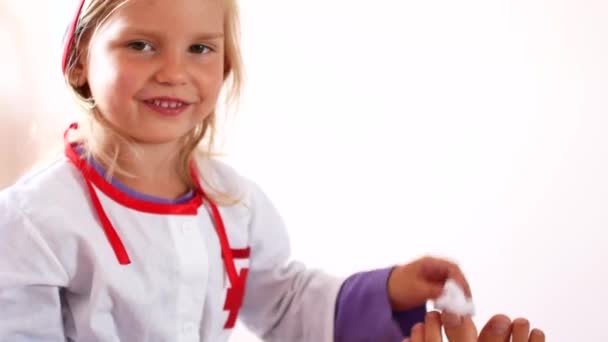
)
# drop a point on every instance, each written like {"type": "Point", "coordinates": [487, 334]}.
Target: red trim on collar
{"type": "Point", "coordinates": [187, 208]}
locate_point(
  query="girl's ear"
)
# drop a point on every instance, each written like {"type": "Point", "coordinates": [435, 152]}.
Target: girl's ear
{"type": "Point", "coordinates": [78, 72]}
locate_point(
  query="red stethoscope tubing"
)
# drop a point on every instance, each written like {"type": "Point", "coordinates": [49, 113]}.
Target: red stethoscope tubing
{"type": "Point", "coordinates": [111, 233]}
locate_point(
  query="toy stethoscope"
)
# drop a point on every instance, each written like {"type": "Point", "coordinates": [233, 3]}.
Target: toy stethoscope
{"type": "Point", "coordinates": [191, 207]}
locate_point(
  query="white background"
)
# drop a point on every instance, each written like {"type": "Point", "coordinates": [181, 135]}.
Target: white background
{"type": "Point", "coordinates": [388, 130]}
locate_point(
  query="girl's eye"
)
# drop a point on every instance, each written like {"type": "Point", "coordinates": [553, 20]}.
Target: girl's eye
{"type": "Point", "coordinates": [140, 46]}
{"type": "Point", "coordinates": [199, 48]}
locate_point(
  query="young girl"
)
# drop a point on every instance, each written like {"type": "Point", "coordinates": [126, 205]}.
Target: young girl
{"type": "Point", "coordinates": [133, 235]}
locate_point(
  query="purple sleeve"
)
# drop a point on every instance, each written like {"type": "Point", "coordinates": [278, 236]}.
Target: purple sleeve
{"type": "Point", "coordinates": [363, 311]}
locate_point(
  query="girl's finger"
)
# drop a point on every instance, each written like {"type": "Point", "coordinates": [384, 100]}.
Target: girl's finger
{"type": "Point", "coordinates": [456, 274]}
{"type": "Point", "coordinates": [436, 270]}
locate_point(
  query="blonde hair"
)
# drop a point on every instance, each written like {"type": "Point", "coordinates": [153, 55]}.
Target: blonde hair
{"type": "Point", "coordinates": [93, 127]}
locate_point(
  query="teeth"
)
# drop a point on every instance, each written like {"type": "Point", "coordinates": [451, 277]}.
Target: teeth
{"type": "Point", "coordinates": [167, 104]}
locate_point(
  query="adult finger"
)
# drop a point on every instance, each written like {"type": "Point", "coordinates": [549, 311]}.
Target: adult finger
{"type": "Point", "coordinates": [417, 334]}
{"type": "Point", "coordinates": [432, 325]}
{"type": "Point", "coordinates": [498, 329]}
{"type": "Point", "coordinates": [537, 336]}
{"type": "Point", "coordinates": [520, 330]}
{"type": "Point", "coordinates": [458, 328]}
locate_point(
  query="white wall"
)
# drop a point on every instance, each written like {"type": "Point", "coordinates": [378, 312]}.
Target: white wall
{"type": "Point", "coordinates": [34, 105]}
{"type": "Point", "coordinates": [386, 130]}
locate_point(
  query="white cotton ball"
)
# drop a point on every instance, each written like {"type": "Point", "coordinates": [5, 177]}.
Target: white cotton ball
{"type": "Point", "coordinates": [453, 300]}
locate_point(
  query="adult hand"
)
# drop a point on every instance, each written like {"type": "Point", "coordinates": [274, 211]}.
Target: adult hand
{"type": "Point", "coordinates": [499, 328]}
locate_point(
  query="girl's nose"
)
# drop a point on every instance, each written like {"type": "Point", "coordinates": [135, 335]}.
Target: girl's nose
{"type": "Point", "coordinates": [172, 70]}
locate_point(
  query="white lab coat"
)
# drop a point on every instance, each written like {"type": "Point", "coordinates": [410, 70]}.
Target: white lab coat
{"type": "Point", "coordinates": [60, 279]}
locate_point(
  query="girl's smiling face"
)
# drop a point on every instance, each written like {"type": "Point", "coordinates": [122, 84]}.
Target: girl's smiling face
{"type": "Point", "coordinates": [155, 68]}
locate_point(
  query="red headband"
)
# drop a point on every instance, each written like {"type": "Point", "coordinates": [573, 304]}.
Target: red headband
{"type": "Point", "coordinates": [70, 36]}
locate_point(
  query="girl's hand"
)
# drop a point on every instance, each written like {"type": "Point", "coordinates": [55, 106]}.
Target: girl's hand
{"type": "Point", "coordinates": [498, 329]}
{"type": "Point", "coordinates": [411, 285]}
